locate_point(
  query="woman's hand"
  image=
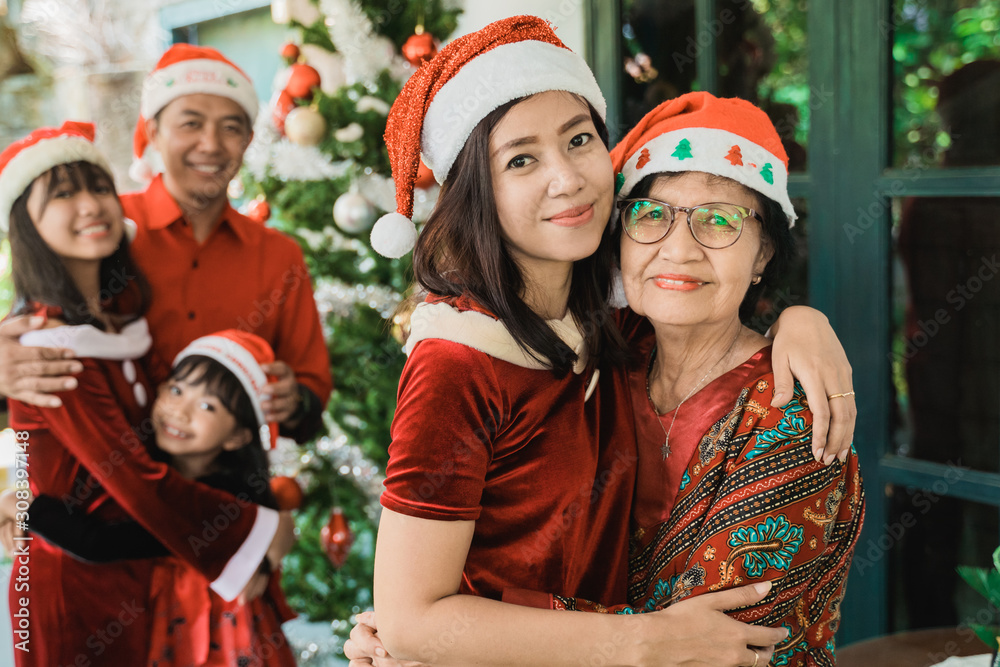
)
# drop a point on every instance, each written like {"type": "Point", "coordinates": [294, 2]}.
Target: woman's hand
{"type": "Point", "coordinates": [806, 347]}
{"type": "Point", "coordinates": [696, 632]}
{"type": "Point", "coordinates": [365, 648]}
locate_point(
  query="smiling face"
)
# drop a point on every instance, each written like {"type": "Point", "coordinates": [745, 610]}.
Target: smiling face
{"type": "Point", "coordinates": [676, 280]}
{"type": "Point", "coordinates": [76, 213]}
{"type": "Point", "coordinates": [202, 139]}
{"type": "Point", "coordinates": [552, 180]}
{"type": "Point", "coordinates": [191, 422]}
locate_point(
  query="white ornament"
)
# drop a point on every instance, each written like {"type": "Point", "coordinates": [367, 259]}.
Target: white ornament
{"type": "Point", "coordinates": [305, 126]}
{"type": "Point", "coordinates": [329, 65]}
{"type": "Point", "coordinates": [346, 135]}
{"type": "Point", "coordinates": [369, 103]}
{"type": "Point", "coordinates": [353, 213]}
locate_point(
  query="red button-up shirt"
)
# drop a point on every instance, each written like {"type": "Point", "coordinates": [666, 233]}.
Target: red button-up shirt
{"type": "Point", "coordinates": [244, 275]}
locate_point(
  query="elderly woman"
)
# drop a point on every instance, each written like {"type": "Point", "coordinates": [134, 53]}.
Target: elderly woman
{"type": "Point", "coordinates": [728, 492]}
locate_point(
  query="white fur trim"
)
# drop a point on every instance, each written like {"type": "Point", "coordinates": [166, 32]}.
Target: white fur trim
{"type": "Point", "coordinates": [491, 80]}
{"type": "Point", "coordinates": [488, 335]}
{"type": "Point", "coordinates": [37, 159]}
{"type": "Point", "coordinates": [709, 148]}
{"type": "Point", "coordinates": [131, 229]}
{"type": "Point", "coordinates": [242, 364]}
{"type": "Point", "coordinates": [393, 235]}
{"type": "Point", "coordinates": [132, 342]}
{"type": "Point", "coordinates": [617, 297]}
{"type": "Point", "coordinates": [246, 561]}
{"type": "Point", "coordinates": [191, 77]}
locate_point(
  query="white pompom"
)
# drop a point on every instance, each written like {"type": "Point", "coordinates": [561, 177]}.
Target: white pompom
{"type": "Point", "coordinates": [616, 299]}
{"type": "Point", "coordinates": [140, 171]}
{"type": "Point", "coordinates": [393, 235]}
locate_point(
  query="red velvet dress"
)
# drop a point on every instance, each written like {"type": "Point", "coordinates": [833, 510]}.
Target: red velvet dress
{"type": "Point", "coordinates": [545, 466]}
{"type": "Point", "coordinates": [740, 499]}
{"type": "Point", "coordinates": [89, 454]}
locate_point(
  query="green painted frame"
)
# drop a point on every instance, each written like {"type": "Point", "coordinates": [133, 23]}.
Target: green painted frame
{"type": "Point", "coordinates": [848, 178]}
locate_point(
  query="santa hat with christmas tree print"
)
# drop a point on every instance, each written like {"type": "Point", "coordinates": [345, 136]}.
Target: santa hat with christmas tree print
{"type": "Point", "coordinates": [25, 160]}
{"type": "Point", "coordinates": [727, 137]}
{"type": "Point", "coordinates": [187, 70]}
{"type": "Point", "coordinates": [242, 354]}
{"type": "Point", "coordinates": [444, 101]}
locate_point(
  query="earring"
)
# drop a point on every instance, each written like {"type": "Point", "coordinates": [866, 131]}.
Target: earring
{"type": "Point", "coordinates": [755, 281]}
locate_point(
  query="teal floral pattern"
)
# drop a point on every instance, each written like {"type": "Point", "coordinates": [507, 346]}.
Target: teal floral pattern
{"type": "Point", "coordinates": [792, 427]}
{"type": "Point", "coordinates": [772, 543]}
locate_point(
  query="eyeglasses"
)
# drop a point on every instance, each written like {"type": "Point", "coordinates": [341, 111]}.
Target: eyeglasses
{"type": "Point", "coordinates": [713, 225]}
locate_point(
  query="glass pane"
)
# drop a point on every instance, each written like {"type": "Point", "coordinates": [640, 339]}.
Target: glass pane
{"type": "Point", "coordinates": [945, 357]}
{"type": "Point", "coordinates": [793, 287]}
{"type": "Point", "coordinates": [928, 535]}
{"type": "Point", "coordinates": [763, 57]}
{"type": "Point", "coordinates": [761, 51]}
{"type": "Point", "coordinates": [946, 82]}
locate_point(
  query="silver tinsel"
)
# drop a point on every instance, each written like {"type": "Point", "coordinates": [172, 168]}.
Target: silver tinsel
{"type": "Point", "coordinates": [338, 298]}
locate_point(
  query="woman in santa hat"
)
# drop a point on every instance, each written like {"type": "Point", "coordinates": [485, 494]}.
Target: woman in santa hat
{"type": "Point", "coordinates": [513, 455]}
{"type": "Point", "coordinates": [71, 268]}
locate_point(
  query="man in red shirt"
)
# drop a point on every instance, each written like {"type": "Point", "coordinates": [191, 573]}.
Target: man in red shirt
{"type": "Point", "coordinates": [210, 268]}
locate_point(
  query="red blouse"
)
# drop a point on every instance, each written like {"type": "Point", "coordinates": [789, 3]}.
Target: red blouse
{"type": "Point", "coordinates": [546, 474]}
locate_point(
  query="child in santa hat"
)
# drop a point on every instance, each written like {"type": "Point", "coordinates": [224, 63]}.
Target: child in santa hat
{"type": "Point", "coordinates": [512, 459]}
{"type": "Point", "coordinates": [208, 423]}
{"type": "Point", "coordinates": [72, 269]}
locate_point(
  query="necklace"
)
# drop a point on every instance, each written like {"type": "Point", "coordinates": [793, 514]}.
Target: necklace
{"type": "Point", "coordinates": [665, 449]}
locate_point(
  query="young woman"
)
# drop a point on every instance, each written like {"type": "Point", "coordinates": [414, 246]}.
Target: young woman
{"type": "Point", "coordinates": [512, 461]}
{"type": "Point", "coordinates": [208, 424]}
{"type": "Point", "coordinates": [71, 266]}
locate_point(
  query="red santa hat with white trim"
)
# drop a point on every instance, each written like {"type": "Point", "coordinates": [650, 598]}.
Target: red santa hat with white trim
{"type": "Point", "coordinates": [698, 131]}
{"type": "Point", "coordinates": [187, 70]}
{"type": "Point", "coordinates": [47, 147]}
{"type": "Point", "coordinates": [444, 101]}
{"type": "Point", "coordinates": [241, 353]}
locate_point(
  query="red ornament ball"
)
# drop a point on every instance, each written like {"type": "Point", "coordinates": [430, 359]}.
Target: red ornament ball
{"type": "Point", "coordinates": [419, 48]}
{"type": "Point", "coordinates": [281, 104]}
{"type": "Point", "coordinates": [336, 538]}
{"type": "Point", "coordinates": [291, 52]}
{"type": "Point", "coordinates": [259, 211]}
{"type": "Point", "coordinates": [425, 177]}
{"type": "Point", "coordinates": [287, 492]}
{"type": "Point", "coordinates": [302, 79]}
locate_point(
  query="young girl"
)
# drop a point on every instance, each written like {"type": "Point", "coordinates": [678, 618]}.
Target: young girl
{"type": "Point", "coordinates": [209, 425]}
{"type": "Point", "coordinates": [71, 265]}
{"type": "Point", "coordinates": [512, 460]}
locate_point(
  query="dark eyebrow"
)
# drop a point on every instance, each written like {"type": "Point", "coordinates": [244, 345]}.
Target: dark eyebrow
{"type": "Point", "coordinates": [523, 141]}
{"type": "Point", "coordinates": [196, 114]}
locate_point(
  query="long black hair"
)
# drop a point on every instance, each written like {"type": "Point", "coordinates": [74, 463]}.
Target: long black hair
{"type": "Point", "coordinates": [775, 234]}
{"type": "Point", "coordinates": [248, 465]}
{"type": "Point", "coordinates": [39, 275]}
{"type": "Point", "coordinates": [461, 251]}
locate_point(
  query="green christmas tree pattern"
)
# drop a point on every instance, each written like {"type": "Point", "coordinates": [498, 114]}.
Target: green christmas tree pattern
{"type": "Point", "coordinates": [766, 173]}
{"type": "Point", "coordinates": [683, 150]}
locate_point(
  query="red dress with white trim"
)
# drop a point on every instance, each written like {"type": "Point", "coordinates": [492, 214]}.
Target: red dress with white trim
{"type": "Point", "coordinates": [89, 453]}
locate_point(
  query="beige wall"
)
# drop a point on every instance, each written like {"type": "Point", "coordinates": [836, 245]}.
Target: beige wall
{"type": "Point", "coordinates": [566, 15]}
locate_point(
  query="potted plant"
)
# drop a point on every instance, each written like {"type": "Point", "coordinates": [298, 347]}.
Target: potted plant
{"type": "Point", "coordinates": [986, 582]}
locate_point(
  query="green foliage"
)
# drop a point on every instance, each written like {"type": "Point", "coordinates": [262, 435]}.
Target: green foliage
{"type": "Point", "coordinates": [397, 19]}
{"type": "Point", "coordinates": [987, 583]}
{"type": "Point", "coordinates": [932, 39]}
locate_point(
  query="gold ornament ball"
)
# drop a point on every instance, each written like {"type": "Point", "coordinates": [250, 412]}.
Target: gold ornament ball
{"type": "Point", "coordinates": [305, 126]}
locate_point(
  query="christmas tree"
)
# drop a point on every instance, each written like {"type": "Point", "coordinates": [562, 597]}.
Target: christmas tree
{"type": "Point", "coordinates": [319, 168]}
{"type": "Point", "coordinates": [683, 150]}
{"type": "Point", "coordinates": [735, 156]}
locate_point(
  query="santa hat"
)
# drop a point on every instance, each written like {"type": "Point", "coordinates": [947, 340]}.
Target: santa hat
{"type": "Point", "coordinates": [243, 354]}
{"type": "Point", "coordinates": [700, 132]}
{"type": "Point", "coordinates": [187, 70]}
{"type": "Point", "coordinates": [25, 160]}
{"type": "Point", "coordinates": [446, 98]}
